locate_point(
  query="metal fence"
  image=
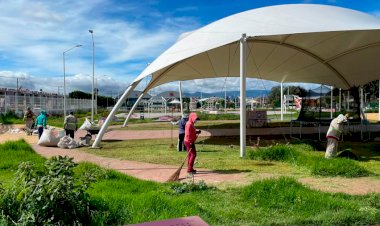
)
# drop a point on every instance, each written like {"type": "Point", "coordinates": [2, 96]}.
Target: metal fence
{"type": "Point", "coordinates": [51, 104]}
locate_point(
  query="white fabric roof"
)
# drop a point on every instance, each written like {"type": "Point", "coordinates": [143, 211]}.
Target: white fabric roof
{"type": "Point", "coordinates": [286, 43]}
{"type": "Point", "coordinates": [175, 101]}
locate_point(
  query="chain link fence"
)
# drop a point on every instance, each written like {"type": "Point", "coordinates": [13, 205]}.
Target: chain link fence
{"type": "Point", "coordinates": [51, 104]}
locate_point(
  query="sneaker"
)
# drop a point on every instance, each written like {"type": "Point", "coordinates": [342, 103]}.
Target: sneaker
{"type": "Point", "coordinates": [193, 172]}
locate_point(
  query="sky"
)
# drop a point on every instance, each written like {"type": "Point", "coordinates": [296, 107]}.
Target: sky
{"type": "Point", "coordinates": [128, 35]}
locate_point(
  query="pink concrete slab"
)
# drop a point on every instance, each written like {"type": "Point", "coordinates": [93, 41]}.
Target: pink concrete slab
{"type": "Point", "coordinates": [184, 221]}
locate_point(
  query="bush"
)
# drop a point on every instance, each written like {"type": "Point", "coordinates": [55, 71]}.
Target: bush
{"type": "Point", "coordinates": [9, 117]}
{"type": "Point", "coordinates": [337, 167]}
{"type": "Point", "coordinates": [49, 196]}
{"type": "Point", "coordinates": [280, 152]}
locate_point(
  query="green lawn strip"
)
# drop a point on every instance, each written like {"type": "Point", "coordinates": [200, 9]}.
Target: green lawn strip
{"type": "Point", "coordinates": [267, 202]}
{"type": "Point", "coordinates": [14, 152]}
{"type": "Point", "coordinates": [214, 154]}
{"type": "Point", "coordinates": [120, 199]}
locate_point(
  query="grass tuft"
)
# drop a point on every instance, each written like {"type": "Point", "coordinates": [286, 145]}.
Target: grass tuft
{"type": "Point", "coordinates": [296, 154]}
{"type": "Point", "coordinates": [279, 152]}
{"type": "Point", "coordinates": [338, 167]}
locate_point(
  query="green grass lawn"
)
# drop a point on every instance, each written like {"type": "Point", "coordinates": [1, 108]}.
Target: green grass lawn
{"type": "Point", "coordinates": [223, 154]}
{"type": "Point", "coordinates": [123, 200]}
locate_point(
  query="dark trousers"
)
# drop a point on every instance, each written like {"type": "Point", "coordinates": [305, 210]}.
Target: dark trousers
{"type": "Point", "coordinates": [70, 133]}
{"type": "Point", "coordinates": [181, 144]}
{"type": "Point", "coordinates": [40, 131]}
{"type": "Point", "coordinates": [192, 153]}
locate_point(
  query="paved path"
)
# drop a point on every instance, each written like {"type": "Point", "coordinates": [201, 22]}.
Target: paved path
{"type": "Point", "coordinates": [160, 173]}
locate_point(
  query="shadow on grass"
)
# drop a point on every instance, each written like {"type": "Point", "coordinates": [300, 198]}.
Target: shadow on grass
{"type": "Point", "coordinates": [364, 151]}
{"type": "Point", "coordinates": [229, 171]}
{"type": "Point", "coordinates": [263, 164]}
{"type": "Point", "coordinates": [111, 140]}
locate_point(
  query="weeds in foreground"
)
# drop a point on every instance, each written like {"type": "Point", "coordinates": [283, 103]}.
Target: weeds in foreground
{"type": "Point", "coordinates": [53, 195]}
{"type": "Point", "coordinates": [190, 186]}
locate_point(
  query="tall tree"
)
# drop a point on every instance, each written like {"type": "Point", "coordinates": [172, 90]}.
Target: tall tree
{"type": "Point", "coordinates": [274, 96]}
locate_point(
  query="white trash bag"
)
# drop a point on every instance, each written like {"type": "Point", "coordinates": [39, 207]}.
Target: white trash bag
{"type": "Point", "coordinates": [50, 137]}
{"type": "Point", "coordinates": [86, 125]}
{"type": "Point", "coordinates": [67, 142]}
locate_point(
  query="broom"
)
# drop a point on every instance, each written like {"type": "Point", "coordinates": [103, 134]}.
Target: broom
{"type": "Point", "coordinates": [175, 176]}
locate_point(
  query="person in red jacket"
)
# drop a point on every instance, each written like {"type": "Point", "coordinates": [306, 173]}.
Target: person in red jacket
{"type": "Point", "coordinates": [190, 138]}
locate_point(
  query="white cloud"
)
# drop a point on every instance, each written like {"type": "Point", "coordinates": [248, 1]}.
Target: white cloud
{"type": "Point", "coordinates": [35, 34]}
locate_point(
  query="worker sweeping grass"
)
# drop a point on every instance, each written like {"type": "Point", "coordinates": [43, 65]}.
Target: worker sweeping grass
{"type": "Point", "coordinates": [190, 138]}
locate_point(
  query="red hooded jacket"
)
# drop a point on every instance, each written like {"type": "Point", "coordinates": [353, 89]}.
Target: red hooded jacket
{"type": "Point", "coordinates": [190, 132]}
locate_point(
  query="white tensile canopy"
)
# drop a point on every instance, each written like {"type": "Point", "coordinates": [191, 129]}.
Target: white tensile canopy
{"type": "Point", "coordinates": [286, 43]}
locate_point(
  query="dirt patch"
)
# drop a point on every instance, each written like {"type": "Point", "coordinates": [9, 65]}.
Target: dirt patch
{"type": "Point", "coordinates": [15, 132]}
{"type": "Point", "coordinates": [352, 186]}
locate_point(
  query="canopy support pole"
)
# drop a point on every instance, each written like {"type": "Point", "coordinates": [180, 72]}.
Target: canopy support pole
{"type": "Point", "coordinates": [331, 102]}
{"type": "Point", "coordinates": [180, 97]}
{"type": "Point", "coordinates": [104, 127]}
{"type": "Point", "coordinates": [379, 102]}
{"type": "Point", "coordinates": [243, 119]}
{"type": "Point", "coordinates": [340, 99]}
{"type": "Point", "coordinates": [282, 102]}
{"type": "Point", "coordinates": [134, 107]}
{"type": "Point", "coordinates": [361, 91]}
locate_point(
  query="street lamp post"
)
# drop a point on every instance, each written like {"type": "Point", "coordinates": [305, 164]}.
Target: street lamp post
{"type": "Point", "coordinates": [93, 75]}
{"type": "Point", "coordinates": [64, 78]}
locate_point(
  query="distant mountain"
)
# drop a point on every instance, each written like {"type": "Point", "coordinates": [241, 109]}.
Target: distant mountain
{"type": "Point", "coordinates": [250, 93]}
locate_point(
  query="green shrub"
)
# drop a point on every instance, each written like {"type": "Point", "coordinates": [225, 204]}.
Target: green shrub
{"type": "Point", "coordinates": [9, 117]}
{"type": "Point", "coordinates": [53, 195]}
{"type": "Point", "coordinates": [337, 167]}
{"type": "Point", "coordinates": [279, 152]}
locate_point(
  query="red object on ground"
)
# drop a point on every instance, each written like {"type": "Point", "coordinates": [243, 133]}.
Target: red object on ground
{"type": "Point", "coordinates": [183, 221]}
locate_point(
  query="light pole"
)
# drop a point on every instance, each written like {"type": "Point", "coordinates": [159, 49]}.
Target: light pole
{"type": "Point", "coordinates": [64, 79]}
{"type": "Point", "coordinates": [93, 75]}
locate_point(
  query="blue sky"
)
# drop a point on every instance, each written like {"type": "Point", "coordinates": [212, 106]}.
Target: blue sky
{"type": "Point", "coordinates": [128, 35]}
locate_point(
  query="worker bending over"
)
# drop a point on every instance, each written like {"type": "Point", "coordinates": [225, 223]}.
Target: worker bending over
{"type": "Point", "coordinates": [333, 135]}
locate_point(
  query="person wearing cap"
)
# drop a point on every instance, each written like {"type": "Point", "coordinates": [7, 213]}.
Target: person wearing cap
{"type": "Point", "coordinates": [29, 120]}
{"type": "Point", "coordinates": [70, 125]}
{"type": "Point", "coordinates": [181, 132]}
{"type": "Point", "coordinates": [333, 135]}
{"type": "Point", "coordinates": [41, 123]}
{"type": "Point", "coordinates": [190, 138]}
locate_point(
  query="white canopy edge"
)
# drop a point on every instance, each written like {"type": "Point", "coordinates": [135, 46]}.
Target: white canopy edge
{"type": "Point", "coordinates": [267, 21]}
